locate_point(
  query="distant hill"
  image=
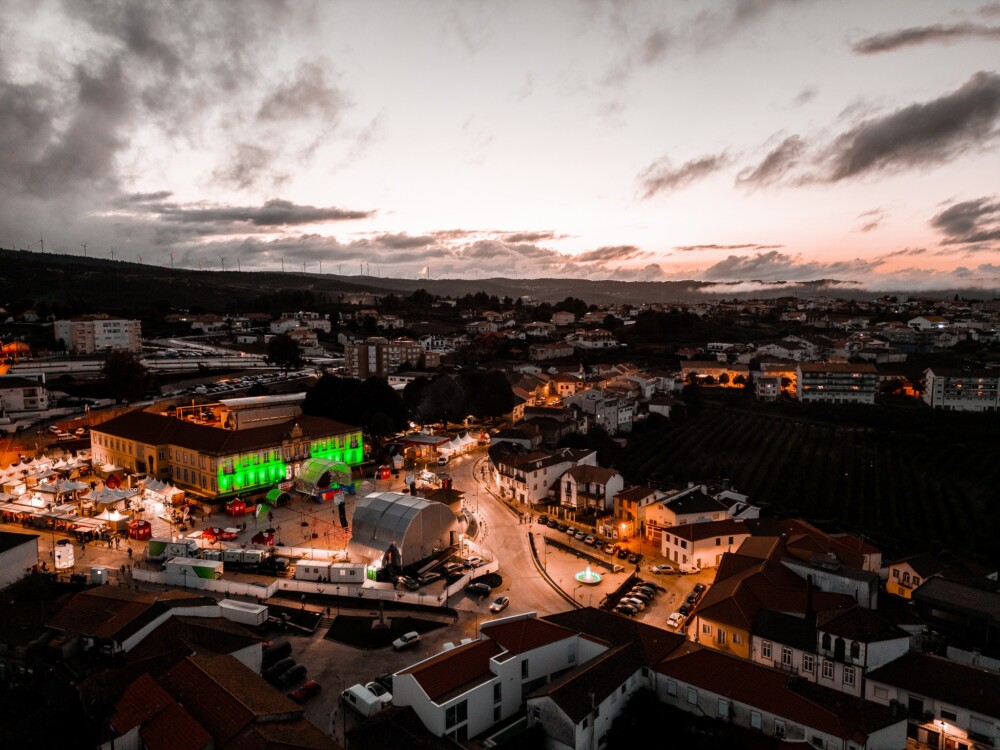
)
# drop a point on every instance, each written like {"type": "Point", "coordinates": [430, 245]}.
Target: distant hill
{"type": "Point", "coordinates": [97, 283]}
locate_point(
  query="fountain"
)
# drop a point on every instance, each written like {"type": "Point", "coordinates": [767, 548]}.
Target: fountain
{"type": "Point", "coordinates": [589, 577]}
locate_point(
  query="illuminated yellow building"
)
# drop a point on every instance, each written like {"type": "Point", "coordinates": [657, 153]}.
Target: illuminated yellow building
{"type": "Point", "coordinates": [218, 463]}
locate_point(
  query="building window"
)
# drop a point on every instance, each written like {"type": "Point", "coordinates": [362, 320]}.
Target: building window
{"type": "Point", "coordinates": [723, 707]}
{"type": "Point", "coordinates": [881, 692]}
{"type": "Point", "coordinates": [720, 637]}
{"type": "Point", "coordinates": [948, 714]}
{"type": "Point", "coordinates": [827, 669]}
{"type": "Point", "coordinates": [849, 675]}
{"type": "Point", "coordinates": [786, 657]}
{"type": "Point", "coordinates": [692, 696]}
{"type": "Point", "coordinates": [807, 663]}
{"type": "Point", "coordinates": [496, 714]}
{"type": "Point", "coordinates": [737, 639]}
{"type": "Point", "coordinates": [755, 719]}
{"type": "Point", "coordinates": [817, 742]}
{"type": "Point", "coordinates": [765, 649]}
{"type": "Point", "coordinates": [456, 714]}
{"type": "Point", "coordinates": [706, 628]}
{"type": "Point", "coordinates": [524, 669]}
{"type": "Point", "coordinates": [672, 688]}
{"type": "Point", "coordinates": [779, 728]}
{"type": "Point", "coordinates": [497, 692]}
{"type": "Point", "coordinates": [855, 650]}
{"type": "Point", "coordinates": [826, 641]}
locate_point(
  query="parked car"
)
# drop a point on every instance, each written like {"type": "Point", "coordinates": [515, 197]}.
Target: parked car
{"type": "Point", "coordinates": [580, 535]}
{"type": "Point", "coordinates": [675, 620]}
{"type": "Point", "coordinates": [543, 520]}
{"type": "Point", "coordinates": [379, 691]}
{"type": "Point", "coordinates": [473, 561]}
{"type": "Point", "coordinates": [385, 680]}
{"type": "Point", "coordinates": [622, 553]}
{"type": "Point", "coordinates": [609, 549]}
{"type": "Point", "coordinates": [645, 587]}
{"type": "Point", "coordinates": [626, 609]}
{"type": "Point", "coordinates": [642, 596]}
{"type": "Point", "coordinates": [634, 558]}
{"type": "Point", "coordinates": [500, 604]}
{"type": "Point", "coordinates": [293, 675]}
{"type": "Point", "coordinates": [405, 582]}
{"type": "Point", "coordinates": [633, 602]}
{"type": "Point", "coordinates": [692, 598]}
{"type": "Point", "coordinates": [451, 568]}
{"type": "Point", "coordinates": [308, 690]}
{"type": "Point", "coordinates": [687, 569]}
{"type": "Point", "coordinates": [589, 539]}
{"type": "Point", "coordinates": [478, 588]}
{"type": "Point", "coordinates": [700, 588]}
{"type": "Point", "coordinates": [554, 523]}
{"type": "Point", "coordinates": [271, 674]}
{"type": "Point", "coordinates": [406, 640]}
{"type": "Point", "coordinates": [685, 609]}
{"type": "Point", "coordinates": [661, 569]}
{"type": "Point", "coordinates": [428, 578]}
{"type": "Point", "coordinates": [563, 527]}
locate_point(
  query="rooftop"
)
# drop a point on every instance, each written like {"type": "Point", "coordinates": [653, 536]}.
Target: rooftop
{"type": "Point", "coordinates": [932, 676]}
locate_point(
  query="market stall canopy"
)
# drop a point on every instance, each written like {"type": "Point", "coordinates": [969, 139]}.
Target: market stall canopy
{"type": "Point", "coordinates": [61, 487]}
{"type": "Point", "coordinates": [107, 496]}
{"type": "Point", "coordinates": [277, 497]}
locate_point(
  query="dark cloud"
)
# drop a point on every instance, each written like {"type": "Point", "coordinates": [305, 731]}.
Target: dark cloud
{"type": "Point", "coordinates": [661, 176]}
{"type": "Point", "coordinates": [906, 251]}
{"type": "Point", "coordinates": [529, 236]}
{"type": "Point", "coordinates": [615, 254]}
{"type": "Point", "coordinates": [741, 246]}
{"type": "Point", "coordinates": [920, 134]}
{"type": "Point", "coordinates": [774, 166]}
{"type": "Point", "coordinates": [871, 220]}
{"type": "Point", "coordinates": [916, 35]}
{"type": "Point", "coordinates": [774, 265]}
{"type": "Point", "coordinates": [160, 195]}
{"type": "Point", "coordinates": [805, 96]}
{"type": "Point", "coordinates": [272, 213]}
{"type": "Point", "coordinates": [969, 222]}
{"type": "Point", "coordinates": [246, 165]}
{"type": "Point", "coordinates": [308, 93]}
{"type": "Point", "coordinates": [655, 45]}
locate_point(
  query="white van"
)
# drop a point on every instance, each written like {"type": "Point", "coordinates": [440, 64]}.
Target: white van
{"type": "Point", "coordinates": [361, 699]}
{"type": "Point", "coordinates": [443, 460]}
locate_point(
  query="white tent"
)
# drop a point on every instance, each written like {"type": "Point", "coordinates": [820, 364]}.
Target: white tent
{"type": "Point", "coordinates": [106, 496]}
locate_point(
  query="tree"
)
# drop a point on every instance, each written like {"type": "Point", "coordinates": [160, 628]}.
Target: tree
{"type": "Point", "coordinates": [724, 379]}
{"type": "Point", "coordinates": [283, 350]}
{"type": "Point", "coordinates": [127, 377]}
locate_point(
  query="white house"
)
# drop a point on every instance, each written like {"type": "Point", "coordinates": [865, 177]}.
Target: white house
{"type": "Point", "coordinates": [703, 544]}
{"type": "Point", "coordinates": [18, 556]}
{"type": "Point", "coordinates": [532, 477]}
{"type": "Point", "coordinates": [759, 699]}
{"type": "Point", "coordinates": [590, 487]}
{"type": "Point", "coordinates": [950, 705]}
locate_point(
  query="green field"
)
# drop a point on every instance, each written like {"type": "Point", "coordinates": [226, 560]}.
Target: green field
{"type": "Point", "coordinates": [909, 478]}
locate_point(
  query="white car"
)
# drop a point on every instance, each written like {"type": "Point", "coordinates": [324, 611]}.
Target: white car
{"type": "Point", "coordinates": [690, 569]}
{"type": "Point", "coordinates": [639, 604]}
{"type": "Point", "coordinates": [406, 640]}
{"type": "Point", "coordinates": [383, 695]}
{"type": "Point", "coordinates": [675, 620]}
{"type": "Point", "coordinates": [500, 604]}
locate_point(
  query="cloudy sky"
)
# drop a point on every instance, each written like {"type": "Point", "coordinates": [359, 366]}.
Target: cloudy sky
{"type": "Point", "coordinates": [670, 139]}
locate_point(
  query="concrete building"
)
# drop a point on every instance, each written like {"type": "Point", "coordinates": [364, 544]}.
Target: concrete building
{"type": "Point", "coordinates": [214, 462]}
{"type": "Point", "coordinates": [703, 544]}
{"type": "Point", "coordinates": [837, 382]}
{"type": "Point", "coordinates": [961, 390]}
{"type": "Point", "coordinates": [92, 334]}
{"type": "Point", "coordinates": [22, 395]}
{"type": "Point", "coordinates": [380, 356]}
{"type": "Point", "coordinates": [18, 556]}
{"type": "Point", "coordinates": [611, 411]}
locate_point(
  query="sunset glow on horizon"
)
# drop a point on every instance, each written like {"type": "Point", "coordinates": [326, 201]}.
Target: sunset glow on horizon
{"type": "Point", "coordinates": [773, 140]}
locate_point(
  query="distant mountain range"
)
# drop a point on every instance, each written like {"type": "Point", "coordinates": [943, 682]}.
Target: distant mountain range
{"type": "Point", "coordinates": [121, 285]}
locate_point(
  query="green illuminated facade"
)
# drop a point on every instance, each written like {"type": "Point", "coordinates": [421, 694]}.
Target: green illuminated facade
{"type": "Point", "coordinates": [216, 463]}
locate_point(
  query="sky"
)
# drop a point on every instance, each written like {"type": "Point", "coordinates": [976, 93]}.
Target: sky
{"type": "Point", "coordinates": [737, 140]}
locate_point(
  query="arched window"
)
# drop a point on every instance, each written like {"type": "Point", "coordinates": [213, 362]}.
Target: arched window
{"type": "Point", "coordinates": [855, 650]}
{"type": "Point", "coordinates": [826, 641]}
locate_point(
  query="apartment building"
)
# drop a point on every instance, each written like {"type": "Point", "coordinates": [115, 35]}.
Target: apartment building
{"type": "Point", "coordinates": [92, 334]}
{"type": "Point", "coordinates": [533, 477]}
{"type": "Point", "coordinates": [22, 395]}
{"type": "Point", "coordinates": [961, 390]}
{"type": "Point", "coordinates": [837, 382]}
{"type": "Point", "coordinates": [380, 356]}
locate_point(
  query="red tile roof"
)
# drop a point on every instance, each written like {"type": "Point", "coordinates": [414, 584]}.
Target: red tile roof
{"type": "Point", "coordinates": [449, 670]}
{"type": "Point", "coordinates": [142, 700]}
{"type": "Point", "coordinates": [157, 429]}
{"type": "Point", "coordinates": [707, 529]}
{"type": "Point", "coordinates": [775, 692]}
{"type": "Point", "coordinates": [524, 634]}
{"type": "Point", "coordinates": [974, 688]}
{"type": "Point", "coordinates": [175, 729]}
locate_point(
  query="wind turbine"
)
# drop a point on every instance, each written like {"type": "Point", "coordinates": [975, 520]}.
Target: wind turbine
{"type": "Point", "coordinates": [84, 246]}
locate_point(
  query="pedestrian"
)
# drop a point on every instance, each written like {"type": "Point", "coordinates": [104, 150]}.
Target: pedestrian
{"type": "Point", "coordinates": [129, 552]}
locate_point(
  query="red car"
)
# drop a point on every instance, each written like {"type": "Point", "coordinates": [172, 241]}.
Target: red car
{"type": "Point", "coordinates": [307, 691]}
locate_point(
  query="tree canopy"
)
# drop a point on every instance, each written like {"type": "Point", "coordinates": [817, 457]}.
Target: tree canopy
{"type": "Point", "coordinates": [283, 350]}
{"type": "Point", "coordinates": [127, 377]}
{"type": "Point", "coordinates": [372, 405]}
